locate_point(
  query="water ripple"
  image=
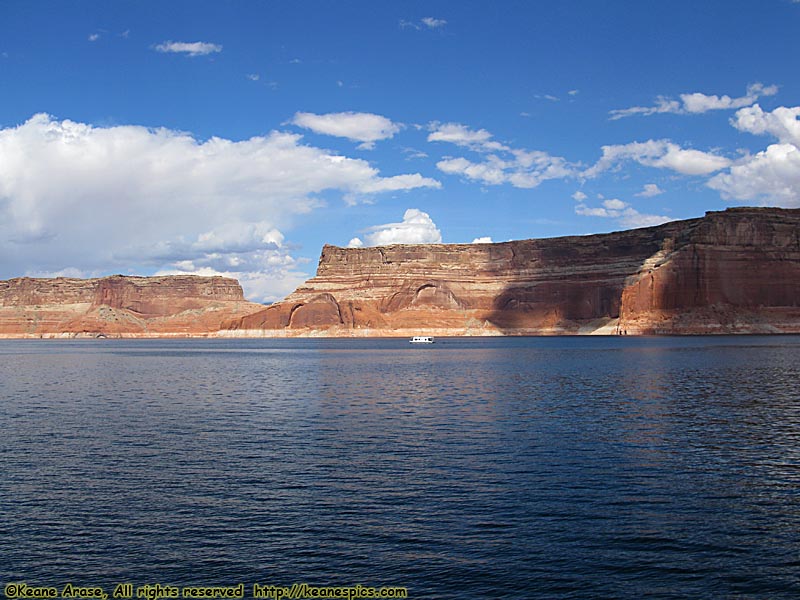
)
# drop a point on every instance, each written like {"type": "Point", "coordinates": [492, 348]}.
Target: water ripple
{"type": "Point", "coordinates": [510, 468]}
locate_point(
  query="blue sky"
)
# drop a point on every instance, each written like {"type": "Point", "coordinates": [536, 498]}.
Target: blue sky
{"type": "Point", "coordinates": [237, 138]}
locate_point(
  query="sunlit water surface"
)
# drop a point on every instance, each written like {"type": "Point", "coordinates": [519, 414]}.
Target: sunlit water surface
{"type": "Point", "coordinates": [472, 468]}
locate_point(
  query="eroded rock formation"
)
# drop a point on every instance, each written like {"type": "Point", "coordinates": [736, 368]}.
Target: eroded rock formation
{"type": "Point", "coordinates": [119, 306]}
{"type": "Point", "coordinates": [736, 271]}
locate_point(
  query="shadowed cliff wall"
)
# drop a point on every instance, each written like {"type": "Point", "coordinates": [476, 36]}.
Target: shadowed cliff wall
{"type": "Point", "coordinates": [734, 271]}
{"type": "Point", "coordinates": [731, 271]}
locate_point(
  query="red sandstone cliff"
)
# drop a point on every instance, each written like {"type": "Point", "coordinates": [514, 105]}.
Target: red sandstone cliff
{"type": "Point", "coordinates": [736, 271]}
{"type": "Point", "coordinates": [119, 306]}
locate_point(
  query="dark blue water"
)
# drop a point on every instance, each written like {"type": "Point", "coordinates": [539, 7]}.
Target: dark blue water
{"type": "Point", "coordinates": [473, 468]}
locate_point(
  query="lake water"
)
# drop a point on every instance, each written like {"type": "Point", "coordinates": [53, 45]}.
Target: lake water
{"type": "Point", "coordinates": [472, 468]}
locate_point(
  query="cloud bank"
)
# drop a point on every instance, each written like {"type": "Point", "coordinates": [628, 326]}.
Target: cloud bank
{"type": "Point", "coordinates": [132, 199]}
{"type": "Point", "coordinates": [771, 176]}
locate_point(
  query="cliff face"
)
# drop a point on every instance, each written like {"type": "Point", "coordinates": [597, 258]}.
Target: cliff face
{"type": "Point", "coordinates": [119, 306]}
{"type": "Point", "coordinates": [732, 271]}
{"type": "Point", "coordinates": [736, 271]}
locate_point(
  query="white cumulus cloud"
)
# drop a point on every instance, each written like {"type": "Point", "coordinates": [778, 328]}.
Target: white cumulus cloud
{"type": "Point", "coordinates": [491, 171]}
{"type": "Point", "coordinates": [189, 48]}
{"type": "Point", "coordinates": [396, 183]}
{"type": "Point", "coordinates": [614, 204]}
{"type": "Point", "coordinates": [417, 227]}
{"type": "Point", "coordinates": [433, 23]}
{"type": "Point", "coordinates": [483, 240]}
{"type": "Point", "coordinates": [624, 213]}
{"type": "Point", "coordinates": [782, 123]}
{"type": "Point", "coordinates": [579, 196]}
{"type": "Point", "coordinates": [500, 163]}
{"type": "Point", "coordinates": [697, 102]}
{"type": "Point", "coordinates": [425, 22]}
{"type": "Point", "coordinates": [130, 199]}
{"type": "Point", "coordinates": [661, 154]}
{"type": "Point", "coordinates": [367, 128]}
{"type": "Point", "coordinates": [771, 176]}
{"type": "Point", "coordinates": [650, 190]}
{"type": "Point", "coordinates": [461, 135]}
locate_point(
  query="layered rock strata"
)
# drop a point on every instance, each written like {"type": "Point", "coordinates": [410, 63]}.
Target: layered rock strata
{"type": "Point", "coordinates": [120, 306]}
{"type": "Point", "coordinates": [736, 271]}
